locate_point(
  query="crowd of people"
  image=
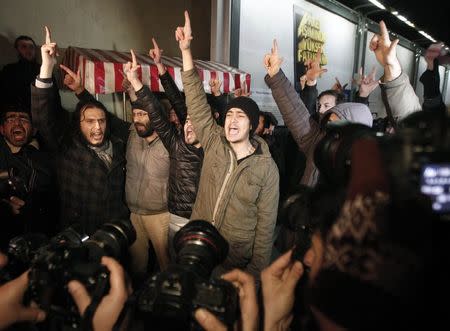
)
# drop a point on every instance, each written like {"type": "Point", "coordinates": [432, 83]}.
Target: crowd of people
{"type": "Point", "coordinates": [217, 158]}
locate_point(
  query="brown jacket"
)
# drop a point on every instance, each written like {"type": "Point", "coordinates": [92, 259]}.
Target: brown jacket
{"type": "Point", "coordinates": [240, 199]}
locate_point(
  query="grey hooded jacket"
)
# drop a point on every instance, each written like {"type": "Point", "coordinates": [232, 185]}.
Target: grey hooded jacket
{"type": "Point", "coordinates": [305, 130]}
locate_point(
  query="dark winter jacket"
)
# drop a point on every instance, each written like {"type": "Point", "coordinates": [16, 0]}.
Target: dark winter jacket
{"type": "Point", "coordinates": [185, 160]}
{"type": "Point", "coordinates": [34, 168]}
{"type": "Point", "coordinates": [90, 193]}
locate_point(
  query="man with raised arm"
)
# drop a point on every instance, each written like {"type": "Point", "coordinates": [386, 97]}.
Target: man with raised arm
{"type": "Point", "coordinates": [306, 131]}
{"type": "Point", "coordinates": [146, 178]}
{"type": "Point", "coordinates": [238, 190]}
{"type": "Point", "coordinates": [185, 151]}
{"type": "Point", "coordinates": [90, 160]}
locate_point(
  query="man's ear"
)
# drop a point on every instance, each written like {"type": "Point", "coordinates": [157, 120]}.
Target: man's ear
{"type": "Point", "coordinates": [2, 130]}
{"type": "Point", "coordinates": [35, 130]}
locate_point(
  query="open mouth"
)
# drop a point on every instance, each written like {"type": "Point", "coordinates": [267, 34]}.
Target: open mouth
{"type": "Point", "coordinates": [97, 136]}
{"type": "Point", "coordinates": [18, 134]}
{"type": "Point", "coordinates": [233, 131]}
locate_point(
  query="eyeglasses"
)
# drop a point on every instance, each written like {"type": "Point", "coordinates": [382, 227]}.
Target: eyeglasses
{"type": "Point", "coordinates": [22, 119]}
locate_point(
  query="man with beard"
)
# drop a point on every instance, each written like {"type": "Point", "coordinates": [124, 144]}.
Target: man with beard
{"type": "Point", "coordinates": [27, 207]}
{"type": "Point", "coordinates": [146, 178]}
{"type": "Point", "coordinates": [90, 158]}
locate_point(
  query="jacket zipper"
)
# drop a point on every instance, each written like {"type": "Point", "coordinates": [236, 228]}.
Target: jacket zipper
{"type": "Point", "coordinates": [222, 189]}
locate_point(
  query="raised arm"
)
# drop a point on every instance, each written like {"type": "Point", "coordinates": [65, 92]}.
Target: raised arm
{"type": "Point", "coordinates": [294, 112]}
{"type": "Point", "coordinates": [170, 88]}
{"type": "Point", "coordinates": [399, 96]}
{"type": "Point", "coordinates": [309, 93]}
{"type": "Point", "coordinates": [149, 103]}
{"type": "Point", "coordinates": [196, 102]}
{"type": "Point", "coordinates": [431, 81]}
{"type": "Point", "coordinates": [366, 85]}
{"type": "Point", "coordinates": [48, 118]}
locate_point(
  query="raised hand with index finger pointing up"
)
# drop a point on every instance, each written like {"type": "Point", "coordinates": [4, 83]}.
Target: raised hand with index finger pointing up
{"type": "Point", "coordinates": [272, 61]}
{"type": "Point", "coordinates": [131, 70]}
{"type": "Point", "coordinates": [48, 52]}
{"type": "Point", "coordinates": [184, 34]}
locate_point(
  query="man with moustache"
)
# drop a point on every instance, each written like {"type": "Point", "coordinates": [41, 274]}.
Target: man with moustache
{"type": "Point", "coordinates": [29, 209]}
{"type": "Point", "coordinates": [90, 159]}
{"type": "Point", "coordinates": [146, 185]}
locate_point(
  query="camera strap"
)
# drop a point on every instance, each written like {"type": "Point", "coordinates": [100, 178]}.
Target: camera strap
{"type": "Point", "coordinates": [129, 306]}
{"type": "Point", "coordinates": [97, 296]}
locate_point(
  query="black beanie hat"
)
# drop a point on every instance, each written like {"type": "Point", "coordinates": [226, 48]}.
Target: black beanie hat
{"type": "Point", "coordinates": [249, 107]}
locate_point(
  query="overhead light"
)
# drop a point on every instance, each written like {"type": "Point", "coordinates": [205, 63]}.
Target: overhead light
{"type": "Point", "coordinates": [446, 48]}
{"type": "Point", "coordinates": [402, 18]}
{"type": "Point", "coordinates": [411, 24]}
{"type": "Point", "coordinates": [395, 13]}
{"type": "Point", "coordinates": [378, 4]}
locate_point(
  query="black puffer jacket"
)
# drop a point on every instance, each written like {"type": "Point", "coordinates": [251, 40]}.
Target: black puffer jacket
{"type": "Point", "coordinates": [185, 160]}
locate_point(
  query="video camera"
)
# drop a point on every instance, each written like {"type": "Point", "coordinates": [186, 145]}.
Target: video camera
{"type": "Point", "coordinates": [174, 294]}
{"type": "Point", "coordinates": [421, 144]}
{"type": "Point", "coordinates": [70, 255]}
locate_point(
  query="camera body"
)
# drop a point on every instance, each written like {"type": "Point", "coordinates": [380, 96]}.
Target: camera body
{"type": "Point", "coordinates": [422, 141]}
{"type": "Point", "coordinates": [51, 271]}
{"type": "Point", "coordinates": [185, 286]}
{"type": "Point", "coordinates": [70, 255]}
{"type": "Point", "coordinates": [177, 293]}
{"type": "Point", "coordinates": [11, 185]}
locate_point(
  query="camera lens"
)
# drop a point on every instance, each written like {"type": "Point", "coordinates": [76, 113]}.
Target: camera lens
{"type": "Point", "coordinates": [200, 247]}
{"type": "Point", "coordinates": [333, 153]}
{"type": "Point", "coordinates": [112, 239]}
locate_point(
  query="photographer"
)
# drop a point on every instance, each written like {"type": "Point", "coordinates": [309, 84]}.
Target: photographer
{"type": "Point", "coordinates": [107, 313]}
{"type": "Point", "coordinates": [245, 283]}
{"type": "Point", "coordinates": [27, 187]}
{"type": "Point", "coordinates": [12, 309]}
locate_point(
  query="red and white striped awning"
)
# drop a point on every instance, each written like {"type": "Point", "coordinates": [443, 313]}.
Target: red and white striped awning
{"type": "Point", "coordinates": [102, 71]}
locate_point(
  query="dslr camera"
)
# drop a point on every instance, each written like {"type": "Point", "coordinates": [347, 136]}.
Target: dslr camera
{"type": "Point", "coordinates": [11, 185]}
{"type": "Point", "coordinates": [173, 295]}
{"type": "Point", "coordinates": [70, 255]}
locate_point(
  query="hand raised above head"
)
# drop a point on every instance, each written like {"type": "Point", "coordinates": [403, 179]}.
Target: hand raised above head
{"type": "Point", "coordinates": [215, 85]}
{"type": "Point", "coordinates": [367, 83]}
{"type": "Point", "coordinates": [386, 52]}
{"type": "Point", "coordinates": [313, 68]}
{"type": "Point", "coordinates": [131, 70]}
{"type": "Point", "coordinates": [49, 52]}
{"type": "Point", "coordinates": [155, 53]}
{"type": "Point", "coordinates": [272, 61]}
{"type": "Point", "coordinates": [184, 34]}
{"type": "Point", "coordinates": [72, 80]}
